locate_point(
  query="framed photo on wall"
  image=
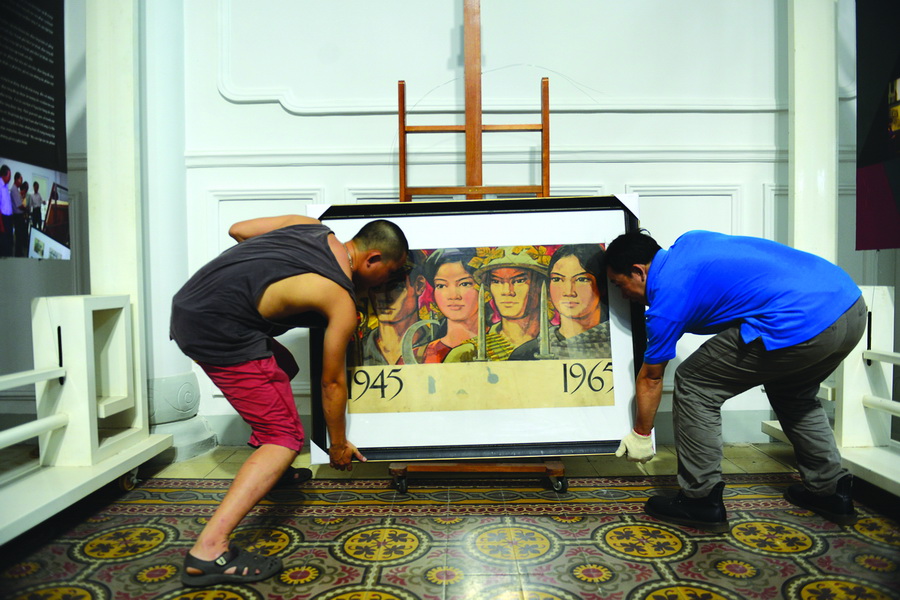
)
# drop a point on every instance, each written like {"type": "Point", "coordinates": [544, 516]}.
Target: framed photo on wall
{"type": "Point", "coordinates": [498, 339]}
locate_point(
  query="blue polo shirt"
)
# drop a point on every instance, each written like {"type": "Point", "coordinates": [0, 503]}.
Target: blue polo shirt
{"type": "Point", "coordinates": [706, 282]}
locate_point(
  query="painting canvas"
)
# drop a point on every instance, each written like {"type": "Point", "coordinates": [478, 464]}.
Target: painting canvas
{"type": "Point", "coordinates": [499, 336]}
{"type": "Point", "coordinates": [454, 311]}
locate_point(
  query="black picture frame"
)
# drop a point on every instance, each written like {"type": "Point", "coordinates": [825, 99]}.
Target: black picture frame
{"type": "Point", "coordinates": [440, 435]}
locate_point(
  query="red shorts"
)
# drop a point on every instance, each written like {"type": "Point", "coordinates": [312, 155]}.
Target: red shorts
{"type": "Point", "coordinates": [260, 391]}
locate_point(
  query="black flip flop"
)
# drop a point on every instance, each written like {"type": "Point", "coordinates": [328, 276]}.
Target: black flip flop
{"type": "Point", "coordinates": [293, 477]}
{"type": "Point", "coordinates": [243, 561]}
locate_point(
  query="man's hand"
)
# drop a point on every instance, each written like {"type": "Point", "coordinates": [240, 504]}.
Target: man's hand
{"type": "Point", "coordinates": [636, 447]}
{"type": "Point", "coordinates": [342, 454]}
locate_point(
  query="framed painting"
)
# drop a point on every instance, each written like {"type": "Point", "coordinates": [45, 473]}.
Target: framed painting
{"type": "Point", "coordinates": [498, 339]}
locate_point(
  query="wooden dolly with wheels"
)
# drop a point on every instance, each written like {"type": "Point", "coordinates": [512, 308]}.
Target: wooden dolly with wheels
{"type": "Point", "coordinates": [552, 469]}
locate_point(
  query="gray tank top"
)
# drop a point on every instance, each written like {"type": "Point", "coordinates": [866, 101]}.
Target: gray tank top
{"type": "Point", "coordinates": [214, 316]}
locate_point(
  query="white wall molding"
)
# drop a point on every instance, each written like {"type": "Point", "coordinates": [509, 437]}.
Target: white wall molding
{"type": "Point", "coordinates": [577, 190]}
{"type": "Point", "coordinates": [216, 159]}
{"type": "Point", "coordinates": [775, 198]}
{"type": "Point", "coordinates": [257, 192]}
{"type": "Point", "coordinates": [302, 391]}
{"type": "Point", "coordinates": [302, 82]}
{"type": "Point", "coordinates": [732, 194]}
{"type": "Point", "coordinates": [15, 402]}
{"type": "Point", "coordinates": [242, 203]}
{"type": "Point", "coordinates": [236, 82]}
{"type": "Point", "coordinates": [371, 195]}
{"type": "Point", "coordinates": [383, 195]}
{"type": "Point", "coordinates": [76, 161]}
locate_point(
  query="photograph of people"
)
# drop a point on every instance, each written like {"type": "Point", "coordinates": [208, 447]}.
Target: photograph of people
{"type": "Point", "coordinates": [451, 275]}
{"type": "Point", "coordinates": [395, 305]}
{"type": "Point", "coordinates": [514, 276]}
{"type": "Point", "coordinates": [578, 291]}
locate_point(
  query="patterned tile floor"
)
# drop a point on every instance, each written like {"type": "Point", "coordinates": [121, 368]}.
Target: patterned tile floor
{"type": "Point", "coordinates": [358, 539]}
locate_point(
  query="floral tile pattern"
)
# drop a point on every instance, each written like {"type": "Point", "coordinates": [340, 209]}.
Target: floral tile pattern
{"type": "Point", "coordinates": [465, 540]}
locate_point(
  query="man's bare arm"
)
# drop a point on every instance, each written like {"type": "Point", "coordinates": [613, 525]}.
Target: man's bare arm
{"type": "Point", "coordinates": [341, 325]}
{"type": "Point", "coordinates": [245, 230]}
{"type": "Point", "coordinates": [648, 394]}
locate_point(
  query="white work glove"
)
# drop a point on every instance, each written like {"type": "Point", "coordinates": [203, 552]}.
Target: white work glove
{"type": "Point", "coordinates": [636, 447]}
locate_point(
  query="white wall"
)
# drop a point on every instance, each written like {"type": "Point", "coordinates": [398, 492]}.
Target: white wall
{"type": "Point", "coordinates": [292, 103]}
{"type": "Point", "coordinates": [287, 103]}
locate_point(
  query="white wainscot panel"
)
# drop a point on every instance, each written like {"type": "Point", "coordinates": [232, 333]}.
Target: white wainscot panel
{"type": "Point", "coordinates": [776, 208]}
{"type": "Point", "coordinates": [668, 211]}
{"type": "Point", "coordinates": [231, 206]}
{"type": "Point", "coordinates": [346, 57]}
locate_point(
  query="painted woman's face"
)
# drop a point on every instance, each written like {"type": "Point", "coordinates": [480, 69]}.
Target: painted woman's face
{"type": "Point", "coordinates": [573, 290]}
{"type": "Point", "coordinates": [455, 292]}
{"type": "Point", "coordinates": [511, 289]}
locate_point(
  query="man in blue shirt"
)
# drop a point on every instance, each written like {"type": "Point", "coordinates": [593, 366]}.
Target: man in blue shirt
{"type": "Point", "coordinates": [783, 319]}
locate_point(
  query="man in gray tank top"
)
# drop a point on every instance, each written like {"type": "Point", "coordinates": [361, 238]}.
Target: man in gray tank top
{"type": "Point", "coordinates": [285, 272]}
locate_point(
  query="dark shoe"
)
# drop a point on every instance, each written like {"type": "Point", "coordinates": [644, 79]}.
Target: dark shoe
{"type": "Point", "coordinates": [293, 477]}
{"type": "Point", "coordinates": [249, 567]}
{"type": "Point", "coordinates": [706, 513]}
{"type": "Point", "coordinates": [836, 507]}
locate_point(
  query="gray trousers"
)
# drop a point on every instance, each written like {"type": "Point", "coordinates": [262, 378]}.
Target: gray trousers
{"type": "Point", "coordinates": [725, 366]}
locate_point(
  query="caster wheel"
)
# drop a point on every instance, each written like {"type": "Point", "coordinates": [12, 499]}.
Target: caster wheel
{"type": "Point", "coordinates": [559, 484]}
{"type": "Point", "coordinates": [402, 485]}
{"type": "Point", "coordinates": [129, 480]}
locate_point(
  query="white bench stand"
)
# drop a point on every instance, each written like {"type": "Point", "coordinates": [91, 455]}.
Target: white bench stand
{"type": "Point", "coordinates": [91, 427]}
{"type": "Point", "coordinates": [861, 392]}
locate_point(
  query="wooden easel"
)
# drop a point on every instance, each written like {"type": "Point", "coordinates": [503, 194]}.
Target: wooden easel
{"type": "Point", "coordinates": [474, 128]}
{"type": "Point", "coordinates": [553, 470]}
